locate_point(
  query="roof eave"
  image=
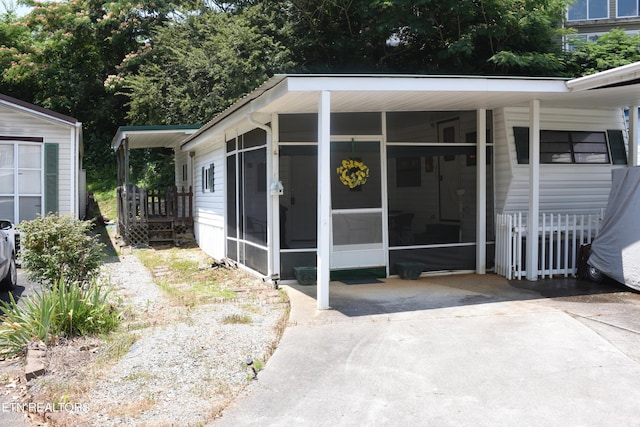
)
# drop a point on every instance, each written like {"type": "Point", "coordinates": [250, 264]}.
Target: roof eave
{"type": "Point", "coordinates": [37, 110]}
{"type": "Point", "coordinates": [614, 76]}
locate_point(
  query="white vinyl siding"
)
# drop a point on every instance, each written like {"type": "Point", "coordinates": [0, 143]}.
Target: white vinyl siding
{"type": "Point", "coordinates": [21, 124]}
{"type": "Point", "coordinates": [181, 161]}
{"type": "Point", "coordinates": [209, 207]}
{"type": "Point", "coordinates": [570, 188]}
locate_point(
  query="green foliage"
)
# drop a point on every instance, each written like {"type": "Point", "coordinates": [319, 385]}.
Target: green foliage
{"type": "Point", "coordinates": [199, 66]}
{"type": "Point", "coordinates": [427, 36]}
{"type": "Point", "coordinates": [610, 50]}
{"type": "Point", "coordinates": [237, 319]}
{"type": "Point", "coordinates": [64, 310]}
{"type": "Point", "coordinates": [182, 62]}
{"type": "Point", "coordinates": [55, 247]}
{"type": "Point", "coordinates": [60, 56]}
{"type": "Point", "coordinates": [152, 168]}
{"type": "Point", "coordinates": [106, 202]}
{"type": "Point", "coordinates": [83, 310]}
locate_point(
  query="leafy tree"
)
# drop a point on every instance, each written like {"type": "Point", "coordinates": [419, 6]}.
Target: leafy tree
{"type": "Point", "coordinates": [161, 62]}
{"type": "Point", "coordinates": [427, 36]}
{"type": "Point", "coordinates": [197, 67]}
{"type": "Point", "coordinates": [613, 49]}
{"type": "Point", "coordinates": [60, 54]}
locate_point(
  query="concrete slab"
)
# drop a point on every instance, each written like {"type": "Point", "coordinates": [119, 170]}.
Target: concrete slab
{"type": "Point", "coordinates": [465, 350]}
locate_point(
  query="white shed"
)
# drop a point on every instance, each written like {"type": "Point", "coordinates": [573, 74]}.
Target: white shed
{"type": "Point", "coordinates": [41, 167]}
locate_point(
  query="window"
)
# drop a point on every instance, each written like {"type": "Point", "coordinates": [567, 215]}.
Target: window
{"type": "Point", "coordinates": [574, 41]}
{"type": "Point", "coordinates": [207, 179]}
{"type": "Point", "coordinates": [627, 8]}
{"type": "Point", "coordinates": [580, 147]}
{"type": "Point", "coordinates": [588, 9]}
{"type": "Point", "coordinates": [28, 177]}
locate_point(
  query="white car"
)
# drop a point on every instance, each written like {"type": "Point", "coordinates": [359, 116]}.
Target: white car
{"type": "Point", "coordinates": [8, 271]}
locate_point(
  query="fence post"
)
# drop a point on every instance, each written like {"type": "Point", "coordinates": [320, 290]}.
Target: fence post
{"type": "Point", "coordinates": [190, 206]}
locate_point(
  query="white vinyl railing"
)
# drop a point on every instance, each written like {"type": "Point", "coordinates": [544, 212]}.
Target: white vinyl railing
{"type": "Point", "coordinates": [559, 239]}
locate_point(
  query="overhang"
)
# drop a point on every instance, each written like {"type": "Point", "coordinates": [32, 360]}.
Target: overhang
{"type": "Point", "coordinates": [626, 75]}
{"type": "Point", "coordinates": [169, 136]}
{"type": "Point", "coordinates": [284, 94]}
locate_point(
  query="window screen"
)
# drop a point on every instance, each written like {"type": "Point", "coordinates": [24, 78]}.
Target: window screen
{"type": "Point", "coordinates": [579, 147]}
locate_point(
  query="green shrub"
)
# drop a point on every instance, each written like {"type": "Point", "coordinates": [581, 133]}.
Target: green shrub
{"type": "Point", "coordinates": [53, 247]}
{"type": "Point", "coordinates": [63, 310]}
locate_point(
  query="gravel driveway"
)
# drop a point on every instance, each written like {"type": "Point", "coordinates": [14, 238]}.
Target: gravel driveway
{"type": "Point", "coordinates": [185, 365]}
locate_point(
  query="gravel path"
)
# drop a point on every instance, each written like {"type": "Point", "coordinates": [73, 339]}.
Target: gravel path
{"type": "Point", "coordinates": [187, 364]}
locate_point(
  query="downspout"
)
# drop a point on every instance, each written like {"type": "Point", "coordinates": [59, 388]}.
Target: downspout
{"type": "Point", "coordinates": [273, 226]}
{"type": "Point", "coordinates": [633, 136]}
{"type": "Point", "coordinates": [75, 173]}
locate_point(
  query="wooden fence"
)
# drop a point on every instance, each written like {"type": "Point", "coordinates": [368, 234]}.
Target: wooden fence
{"type": "Point", "coordinates": [136, 206]}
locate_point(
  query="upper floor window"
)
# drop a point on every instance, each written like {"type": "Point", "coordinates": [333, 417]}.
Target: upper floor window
{"type": "Point", "coordinates": [627, 8]}
{"type": "Point", "coordinates": [589, 9]}
{"type": "Point", "coordinates": [573, 41]}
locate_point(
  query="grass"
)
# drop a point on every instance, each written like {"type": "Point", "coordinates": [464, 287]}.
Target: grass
{"type": "Point", "coordinates": [237, 319]}
{"type": "Point", "coordinates": [184, 275]}
{"type": "Point", "coordinates": [64, 310]}
{"type": "Point", "coordinates": [117, 345]}
{"type": "Point", "coordinates": [106, 201]}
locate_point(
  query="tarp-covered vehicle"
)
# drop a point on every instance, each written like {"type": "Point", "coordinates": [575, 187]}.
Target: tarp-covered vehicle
{"type": "Point", "coordinates": [615, 252]}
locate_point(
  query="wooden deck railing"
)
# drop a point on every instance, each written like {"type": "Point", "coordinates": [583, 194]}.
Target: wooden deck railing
{"type": "Point", "coordinates": [137, 205]}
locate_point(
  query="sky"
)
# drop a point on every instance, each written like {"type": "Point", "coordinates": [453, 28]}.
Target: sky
{"type": "Point", "coordinates": [21, 10]}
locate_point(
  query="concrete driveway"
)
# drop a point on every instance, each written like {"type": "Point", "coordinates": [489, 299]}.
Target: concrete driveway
{"type": "Point", "coordinates": [453, 350]}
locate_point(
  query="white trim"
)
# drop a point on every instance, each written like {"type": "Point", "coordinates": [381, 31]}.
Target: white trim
{"type": "Point", "coordinates": [622, 74]}
{"type": "Point", "coordinates": [324, 200]}
{"type": "Point", "coordinates": [632, 160]}
{"type": "Point", "coordinates": [534, 189]}
{"type": "Point", "coordinates": [384, 186]}
{"type": "Point", "coordinates": [414, 84]}
{"type": "Point", "coordinates": [274, 152]}
{"type": "Point", "coordinates": [481, 192]}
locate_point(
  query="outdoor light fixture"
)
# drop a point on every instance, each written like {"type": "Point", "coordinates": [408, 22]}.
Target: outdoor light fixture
{"type": "Point", "coordinates": [276, 188]}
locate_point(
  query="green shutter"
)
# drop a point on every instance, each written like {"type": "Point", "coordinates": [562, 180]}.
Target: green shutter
{"type": "Point", "coordinates": [616, 144]}
{"type": "Point", "coordinates": [51, 178]}
{"type": "Point", "coordinates": [211, 182]}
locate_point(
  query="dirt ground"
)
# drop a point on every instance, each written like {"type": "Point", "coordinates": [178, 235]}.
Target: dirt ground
{"type": "Point", "coordinates": [79, 370]}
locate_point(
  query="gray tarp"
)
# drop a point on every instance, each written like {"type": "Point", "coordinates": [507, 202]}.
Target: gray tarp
{"type": "Point", "coordinates": [616, 249]}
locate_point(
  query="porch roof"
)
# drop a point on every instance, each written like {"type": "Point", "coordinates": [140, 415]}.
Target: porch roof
{"type": "Point", "coordinates": [152, 136]}
{"type": "Point", "coordinates": [362, 93]}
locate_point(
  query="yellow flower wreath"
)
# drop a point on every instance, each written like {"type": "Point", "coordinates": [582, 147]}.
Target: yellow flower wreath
{"type": "Point", "coordinates": [353, 173]}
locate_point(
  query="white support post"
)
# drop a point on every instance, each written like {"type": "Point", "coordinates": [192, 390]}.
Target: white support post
{"type": "Point", "coordinates": [633, 136]}
{"type": "Point", "coordinates": [274, 174]}
{"type": "Point", "coordinates": [534, 190]}
{"type": "Point", "coordinates": [324, 200]}
{"type": "Point", "coordinates": [481, 191]}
